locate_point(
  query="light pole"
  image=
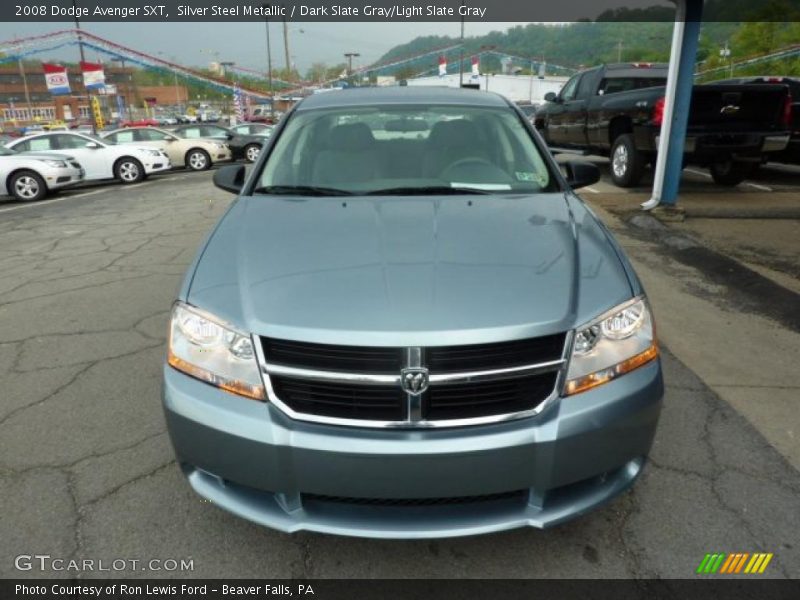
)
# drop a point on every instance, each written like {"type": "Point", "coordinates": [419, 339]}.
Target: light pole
{"type": "Point", "coordinates": [269, 67]}
{"type": "Point", "coordinates": [175, 74]}
{"type": "Point", "coordinates": [25, 87]}
{"type": "Point", "coordinates": [461, 53]}
{"type": "Point", "coordinates": [130, 96]}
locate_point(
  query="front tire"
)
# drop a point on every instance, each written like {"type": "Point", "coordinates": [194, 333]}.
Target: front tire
{"type": "Point", "coordinates": [198, 160]}
{"type": "Point", "coordinates": [128, 170]}
{"type": "Point", "coordinates": [251, 152]}
{"type": "Point", "coordinates": [627, 163]}
{"type": "Point", "coordinates": [27, 186]}
{"type": "Point", "coordinates": [730, 172]}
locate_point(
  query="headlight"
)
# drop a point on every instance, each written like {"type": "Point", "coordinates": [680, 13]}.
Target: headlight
{"type": "Point", "coordinates": [153, 152]}
{"type": "Point", "coordinates": [202, 346]}
{"type": "Point", "coordinates": [58, 164]}
{"type": "Point", "coordinates": [615, 343]}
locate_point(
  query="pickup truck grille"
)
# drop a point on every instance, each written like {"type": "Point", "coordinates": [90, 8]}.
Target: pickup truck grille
{"type": "Point", "coordinates": [375, 386]}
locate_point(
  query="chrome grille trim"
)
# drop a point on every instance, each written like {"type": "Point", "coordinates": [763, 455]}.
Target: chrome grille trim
{"type": "Point", "coordinates": [558, 366]}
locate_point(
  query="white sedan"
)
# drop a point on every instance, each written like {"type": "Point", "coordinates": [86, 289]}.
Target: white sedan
{"type": "Point", "coordinates": [100, 158]}
{"type": "Point", "coordinates": [31, 176]}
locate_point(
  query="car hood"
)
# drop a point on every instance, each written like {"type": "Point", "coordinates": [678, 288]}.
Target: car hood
{"type": "Point", "coordinates": [408, 270]}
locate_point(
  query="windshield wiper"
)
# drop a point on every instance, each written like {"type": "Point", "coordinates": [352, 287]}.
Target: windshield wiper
{"type": "Point", "coordinates": [432, 190]}
{"type": "Point", "coordinates": [300, 190]}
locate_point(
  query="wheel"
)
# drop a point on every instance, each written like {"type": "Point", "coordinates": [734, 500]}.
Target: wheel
{"type": "Point", "coordinates": [251, 152]}
{"type": "Point", "coordinates": [27, 186]}
{"type": "Point", "coordinates": [129, 170]}
{"type": "Point", "coordinates": [198, 160]}
{"type": "Point", "coordinates": [730, 172]}
{"type": "Point", "coordinates": [627, 163]}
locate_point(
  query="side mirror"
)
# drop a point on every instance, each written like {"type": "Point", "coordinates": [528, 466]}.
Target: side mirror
{"type": "Point", "coordinates": [231, 178]}
{"type": "Point", "coordinates": [92, 145]}
{"type": "Point", "coordinates": [229, 136]}
{"type": "Point", "coordinates": [581, 173]}
{"type": "Point", "coordinates": [550, 97]}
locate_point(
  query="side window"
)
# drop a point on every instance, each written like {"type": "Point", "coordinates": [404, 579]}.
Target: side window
{"type": "Point", "coordinates": [586, 86]}
{"type": "Point", "coordinates": [616, 85]}
{"type": "Point", "coordinates": [150, 135]}
{"type": "Point", "coordinates": [69, 142]}
{"type": "Point", "coordinates": [570, 88]}
{"type": "Point", "coordinates": [191, 132]}
{"type": "Point", "coordinates": [213, 132]}
{"type": "Point", "coordinates": [112, 137]}
{"type": "Point", "coordinates": [123, 137]}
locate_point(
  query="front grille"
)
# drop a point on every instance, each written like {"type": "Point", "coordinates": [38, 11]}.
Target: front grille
{"type": "Point", "coordinates": [342, 400]}
{"type": "Point", "coordinates": [518, 495]}
{"type": "Point", "coordinates": [487, 398]}
{"type": "Point", "coordinates": [479, 357]}
{"type": "Point", "coordinates": [363, 383]}
{"type": "Point", "coordinates": [348, 359]}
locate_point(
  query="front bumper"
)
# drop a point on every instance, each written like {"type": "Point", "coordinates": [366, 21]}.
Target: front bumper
{"type": "Point", "coordinates": [156, 164]}
{"type": "Point", "coordinates": [61, 178]}
{"type": "Point", "coordinates": [250, 459]}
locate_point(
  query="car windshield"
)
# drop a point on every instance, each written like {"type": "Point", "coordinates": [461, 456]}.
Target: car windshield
{"type": "Point", "coordinates": [405, 150]}
{"type": "Point", "coordinates": [6, 151]}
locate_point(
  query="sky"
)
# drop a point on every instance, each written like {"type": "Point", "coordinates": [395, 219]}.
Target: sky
{"type": "Point", "coordinates": [197, 44]}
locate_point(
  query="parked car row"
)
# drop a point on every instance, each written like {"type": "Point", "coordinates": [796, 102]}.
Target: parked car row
{"type": "Point", "coordinates": [45, 161]}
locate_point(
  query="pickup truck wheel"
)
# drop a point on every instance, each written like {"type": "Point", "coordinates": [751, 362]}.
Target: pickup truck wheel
{"type": "Point", "coordinates": [730, 172]}
{"type": "Point", "coordinates": [627, 163]}
{"type": "Point", "coordinates": [27, 186]}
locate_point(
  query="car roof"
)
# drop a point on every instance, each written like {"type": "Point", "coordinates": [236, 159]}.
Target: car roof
{"type": "Point", "coordinates": [402, 95]}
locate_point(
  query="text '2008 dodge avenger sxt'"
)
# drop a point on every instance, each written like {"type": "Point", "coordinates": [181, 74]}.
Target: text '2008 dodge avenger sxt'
{"type": "Point", "coordinates": [407, 326]}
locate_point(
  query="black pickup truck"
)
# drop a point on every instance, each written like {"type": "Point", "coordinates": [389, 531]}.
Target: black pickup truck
{"type": "Point", "coordinates": [791, 154]}
{"type": "Point", "coordinates": [617, 111]}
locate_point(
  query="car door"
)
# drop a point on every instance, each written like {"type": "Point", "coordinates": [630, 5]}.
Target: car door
{"type": "Point", "coordinates": [576, 109]}
{"type": "Point", "coordinates": [94, 159]}
{"type": "Point", "coordinates": [557, 117]}
{"type": "Point", "coordinates": [163, 140]}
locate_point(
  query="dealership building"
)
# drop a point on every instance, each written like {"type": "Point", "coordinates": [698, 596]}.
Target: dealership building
{"type": "Point", "coordinates": [24, 98]}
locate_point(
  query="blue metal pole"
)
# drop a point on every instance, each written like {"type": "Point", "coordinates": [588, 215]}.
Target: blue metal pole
{"type": "Point", "coordinates": [683, 96]}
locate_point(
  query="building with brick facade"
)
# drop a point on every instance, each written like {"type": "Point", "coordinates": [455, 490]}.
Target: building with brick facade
{"type": "Point", "coordinates": [24, 98]}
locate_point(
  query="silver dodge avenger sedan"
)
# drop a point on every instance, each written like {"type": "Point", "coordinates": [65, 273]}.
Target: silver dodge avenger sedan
{"type": "Point", "coordinates": [408, 326]}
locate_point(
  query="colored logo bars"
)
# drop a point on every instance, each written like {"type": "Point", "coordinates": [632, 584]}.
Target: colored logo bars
{"type": "Point", "coordinates": [738, 563]}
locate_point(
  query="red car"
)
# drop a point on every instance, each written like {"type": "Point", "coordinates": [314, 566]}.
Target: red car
{"type": "Point", "coordinates": [140, 123]}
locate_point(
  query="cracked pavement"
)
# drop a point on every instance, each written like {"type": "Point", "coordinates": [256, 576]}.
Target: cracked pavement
{"type": "Point", "coordinates": [87, 472]}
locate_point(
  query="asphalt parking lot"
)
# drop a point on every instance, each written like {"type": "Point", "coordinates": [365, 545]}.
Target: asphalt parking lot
{"type": "Point", "coordinates": [86, 470]}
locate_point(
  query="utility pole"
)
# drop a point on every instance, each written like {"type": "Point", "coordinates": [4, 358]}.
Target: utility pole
{"type": "Point", "coordinates": [286, 49]}
{"type": "Point", "coordinates": [350, 56]}
{"type": "Point", "coordinates": [25, 87]}
{"type": "Point", "coordinates": [83, 59]}
{"type": "Point", "coordinates": [461, 52]}
{"type": "Point", "coordinates": [269, 69]}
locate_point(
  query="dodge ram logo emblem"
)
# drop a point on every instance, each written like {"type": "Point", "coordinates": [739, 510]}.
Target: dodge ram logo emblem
{"type": "Point", "coordinates": [414, 381]}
